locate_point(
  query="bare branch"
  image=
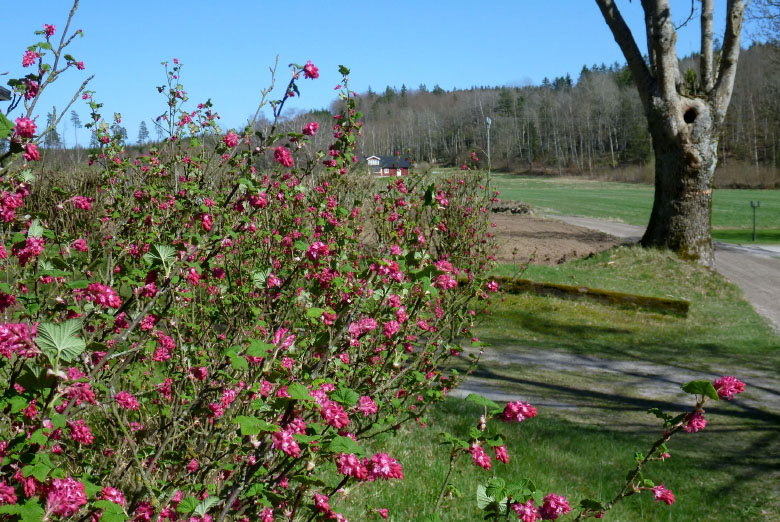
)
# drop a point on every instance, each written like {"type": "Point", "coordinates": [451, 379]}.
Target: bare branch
{"type": "Point", "coordinates": [639, 70]}
{"type": "Point", "coordinates": [690, 17]}
{"type": "Point", "coordinates": [706, 63]}
{"type": "Point", "coordinates": [728, 62]}
{"type": "Point", "coordinates": [664, 40]}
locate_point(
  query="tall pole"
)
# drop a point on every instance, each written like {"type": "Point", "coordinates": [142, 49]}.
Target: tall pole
{"type": "Point", "coordinates": [489, 121]}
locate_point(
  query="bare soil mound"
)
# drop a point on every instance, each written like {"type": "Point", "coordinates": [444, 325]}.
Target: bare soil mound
{"type": "Point", "coordinates": [547, 241]}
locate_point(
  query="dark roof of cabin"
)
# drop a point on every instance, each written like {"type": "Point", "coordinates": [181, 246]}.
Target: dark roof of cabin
{"type": "Point", "coordinates": [392, 162]}
{"type": "Point", "coordinates": [5, 94]}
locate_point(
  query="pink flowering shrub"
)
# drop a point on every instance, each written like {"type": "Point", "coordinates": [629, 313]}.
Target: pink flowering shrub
{"type": "Point", "coordinates": [212, 332]}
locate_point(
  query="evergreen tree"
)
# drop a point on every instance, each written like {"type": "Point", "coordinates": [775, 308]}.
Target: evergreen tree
{"type": "Point", "coordinates": [52, 139]}
{"type": "Point", "coordinates": [143, 133]}
{"type": "Point", "coordinates": [76, 121]}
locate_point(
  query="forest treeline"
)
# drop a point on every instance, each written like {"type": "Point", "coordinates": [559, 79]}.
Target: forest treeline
{"type": "Point", "coordinates": [592, 124]}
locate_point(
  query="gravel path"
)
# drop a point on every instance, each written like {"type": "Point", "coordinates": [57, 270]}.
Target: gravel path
{"type": "Point", "coordinates": [755, 270]}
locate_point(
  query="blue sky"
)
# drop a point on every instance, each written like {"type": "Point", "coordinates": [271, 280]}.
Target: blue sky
{"type": "Point", "coordinates": [227, 47]}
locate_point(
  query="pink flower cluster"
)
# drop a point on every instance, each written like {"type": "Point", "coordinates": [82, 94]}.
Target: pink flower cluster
{"type": "Point", "coordinates": [31, 248]}
{"type": "Point", "coordinates": [728, 387]}
{"type": "Point", "coordinates": [663, 494]}
{"type": "Point", "coordinates": [282, 156]}
{"type": "Point", "coordinates": [25, 127]}
{"type": "Point", "coordinates": [29, 58]}
{"type": "Point", "coordinates": [126, 400]}
{"type": "Point", "coordinates": [379, 466]}
{"type": "Point", "coordinates": [518, 411]}
{"type": "Point", "coordinates": [553, 506]}
{"type": "Point", "coordinates": [99, 294]}
{"type": "Point", "coordinates": [17, 338]}
{"type": "Point", "coordinates": [310, 71]}
{"type": "Point", "coordinates": [64, 497]}
{"type": "Point", "coordinates": [310, 129]}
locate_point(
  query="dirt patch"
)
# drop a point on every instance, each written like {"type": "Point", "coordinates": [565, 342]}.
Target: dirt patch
{"type": "Point", "coordinates": [547, 241]}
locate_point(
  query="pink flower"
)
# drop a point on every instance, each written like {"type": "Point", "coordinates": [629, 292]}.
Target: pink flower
{"type": "Point", "coordinates": [200, 373]}
{"type": "Point", "coordinates": [48, 29]}
{"type": "Point", "coordinates": [6, 301]}
{"type": "Point", "coordinates": [80, 66]}
{"type": "Point", "coordinates": [310, 129]}
{"type": "Point", "coordinates": [310, 71]}
{"type": "Point", "coordinates": [382, 512]}
{"type": "Point", "coordinates": [31, 152]}
{"type": "Point", "coordinates": [391, 328]}
{"type": "Point", "coordinates": [554, 506]}
{"type": "Point", "coordinates": [205, 221]}
{"type": "Point", "coordinates": [479, 456]}
{"type": "Point", "coordinates": [267, 515]}
{"type": "Point", "coordinates": [367, 406]}
{"type": "Point", "coordinates": [17, 338]}
{"type": "Point", "coordinates": [334, 415]}
{"type": "Point", "coordinates": [351, 466]}
{"type": "Point", "coordinates": [82, 202]}
{"type": "Point", "coordinates": [282, 156]}
{"type": "Point", "coordinates": [29, 58]}
{"type": "Point", "coordinates": [99, 294]}
{"type": "Point", "coordinates": [25, 127]}
{"type": "Point", "coordinates": [192, 467]}
{"type": "Point", "coordinates": [126, 400]}
{"type": "Point", "coordinates": [695, 422]}
{"type": "Point", "coordinates": [526, 512]}
{"type": "Point", "coordinates": [231, 139]}
{"type": "Point", "coordinates": [30, 89]}
{"type": "Point", "coordinates": [492, 286]}
{"type": "Point", "coordinates": [80, 432]}
{"type": "Point", "coordinates": [501, 454]}
{"type": "Point", "coordinates": [31, 248]}
{"type": "Point", "coordinates": [80, 245]}
{"type": "Point", "coordinates": [661, 493]}
{"type": "Point", "coordinates": [65, 497]}
{"type": "Point", "coordinates": [383, 466]}
{"type": "Point", "coordinates": [728, 387]}
{"type": "Point", "coordinates": [316, 250]}
{"type": "Point", "coordinates": [283, 440]}
{"type": "Point", "coordinates": [7, 495]}
{"type": "Point", "coordinates": [518, 411]}
{"type": "Point", "coordinates": [114, 495]}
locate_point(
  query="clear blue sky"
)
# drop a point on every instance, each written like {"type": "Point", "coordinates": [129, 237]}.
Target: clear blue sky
{"type": "Point", "coordinates": [227, 47]}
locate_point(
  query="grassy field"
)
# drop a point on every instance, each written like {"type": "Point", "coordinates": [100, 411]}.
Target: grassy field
{"type": "Point", "coordinates": [719, 475]}
{"type": "Point", "coordinates": [720, 324]}
{"type": "Point", "coordinates": [631, 203]}
{"type": "Point", "coordinates": [727, 472]}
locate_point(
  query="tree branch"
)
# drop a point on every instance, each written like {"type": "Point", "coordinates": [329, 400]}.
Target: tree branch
{"type": "Point", "coordinates": [664, 40]}
{"type": "Point", "coordinates": [728, 62]}
{"type": "Point", "coordinates": [706, 63]}
{"type": "Point", "coordinates": [639, 70]}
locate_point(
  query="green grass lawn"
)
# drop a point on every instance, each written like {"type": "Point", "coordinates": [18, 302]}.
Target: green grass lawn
{"type": "Point", "coordinates": [631, 203]}
{"type": "Point", "coordinates": [720, 325]}
{"type": "Point", "coordinates": [721, 474]}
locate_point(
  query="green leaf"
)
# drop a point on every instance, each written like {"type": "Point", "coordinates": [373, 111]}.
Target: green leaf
{"type": "Point", "coordinates": [205, 505]}
{"type": "Point", "coordinates": [59, 341]}
{"type": "Point", "coordinates": [17, 404]}
{"type": "Point", "coordinates": [343, 70]}
{"type": "Point", "coordinates": [483, 401]}
{"type": "Point", "coordinates": [661, 415]}
{"type": "Point", "coordinates": [429, 195]}
{"type": "Point", "coordinates": [161, 256]}
{"type": "Point", "coordinates": [5, 126]}
{"type": "Point", "coordinates": [299, 392]}
{"type": "Point", "coordinates": [112, 512]}
{"type": "Point", "coordinates": [81, 283]}
{"type": "Point", "coordinates": [187, 505]}
{"type": "Point", "coordinates": [30, 511]}
{"type": "Point", "coordinates": [483, 499]}
{"type": "Point", "coordinates": [345, 396]}
{"type": "Point", "coordinates": [35, 230]}
{"type": "Point", "coordinates": [239, 363]}
{"type": "Point", "coordinates": [258, 348]}
{"type": "Point", "coordinates": [701, 388]}
{"type": "Point", "coordinates": [345, 445]}
{"type": "Point", "coordinates": [314, 312]}
{"type": "Point", "coordinates": [592, 505]}
{"type": "Point", "coordinates": [253, 425]}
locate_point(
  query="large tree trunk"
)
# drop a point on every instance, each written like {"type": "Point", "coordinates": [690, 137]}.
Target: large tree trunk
{"type": "Point", "coordinates": [684, 125]}
{"type": "Point", "coordinates": [684, 167]}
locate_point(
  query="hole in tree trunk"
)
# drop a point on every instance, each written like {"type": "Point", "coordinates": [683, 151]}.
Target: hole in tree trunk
{"type": "Point", "coordinates": [690, 115]}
